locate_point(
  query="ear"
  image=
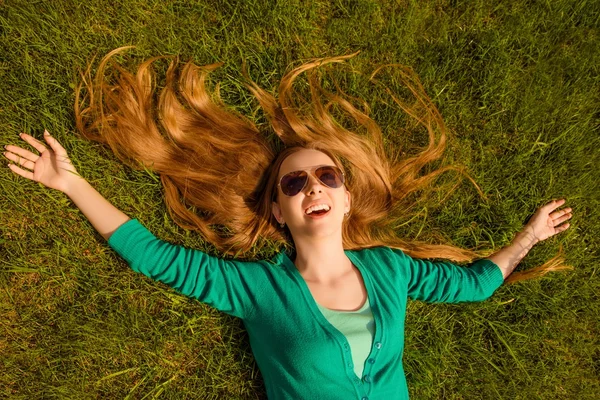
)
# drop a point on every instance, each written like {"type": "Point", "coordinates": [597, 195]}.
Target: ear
{"type": "Point", "coordinates": [277, 212]}
{"type": "Point", "coordinates": [347, 202]}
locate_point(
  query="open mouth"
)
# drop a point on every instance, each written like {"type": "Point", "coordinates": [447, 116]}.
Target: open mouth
{"type": "Point", "coordinates": [318, 211]}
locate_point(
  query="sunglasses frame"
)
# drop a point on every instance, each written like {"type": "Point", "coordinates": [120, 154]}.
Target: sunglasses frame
{"type": "Point", "coordinates": [311, 171]}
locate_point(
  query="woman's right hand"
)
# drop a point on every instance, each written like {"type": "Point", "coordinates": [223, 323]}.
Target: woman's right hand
{"type": "Point", "coordinates": [52, 167]}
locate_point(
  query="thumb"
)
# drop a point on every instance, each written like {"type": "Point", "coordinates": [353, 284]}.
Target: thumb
{"type": "Point", "coordinates": [58, 149]}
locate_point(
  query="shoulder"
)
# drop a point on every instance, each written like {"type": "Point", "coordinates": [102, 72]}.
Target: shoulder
{"type": "Point", "coordinates": [271, 267]}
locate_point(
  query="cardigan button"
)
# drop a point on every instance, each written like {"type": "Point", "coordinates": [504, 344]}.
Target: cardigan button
{"type": "Point", "coordinates": [371, 361]}
{"type": "Point", "coordinates": [365, 398]}
{"type": "Point", "coordinates": [378, 345]}
{"type": "Point", "coordinates": [367, 378]}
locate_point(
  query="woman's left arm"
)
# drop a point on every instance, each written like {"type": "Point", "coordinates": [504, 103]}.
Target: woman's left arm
{"type": "Point", "coordinates": [543, 224]}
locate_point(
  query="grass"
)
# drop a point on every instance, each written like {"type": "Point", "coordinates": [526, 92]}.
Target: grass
{"type": "Point", "coordinates": [518, 84]}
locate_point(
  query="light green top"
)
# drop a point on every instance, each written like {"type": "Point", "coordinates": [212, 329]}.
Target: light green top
{"type": "Point", "coordinates": [358, 327]}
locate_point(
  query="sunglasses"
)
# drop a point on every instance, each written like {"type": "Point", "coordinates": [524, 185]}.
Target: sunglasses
{"type": "Point", "coordinates": [294, 182]}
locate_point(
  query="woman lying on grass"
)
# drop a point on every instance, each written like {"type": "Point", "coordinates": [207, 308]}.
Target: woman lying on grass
{"type": "Point", "coordinates": [326, 316]}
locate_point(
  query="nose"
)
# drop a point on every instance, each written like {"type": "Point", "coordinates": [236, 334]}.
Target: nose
{"type": "Point", "coordinates": [313, 185]}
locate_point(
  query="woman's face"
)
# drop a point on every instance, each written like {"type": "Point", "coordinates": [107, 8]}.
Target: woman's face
{"type": "Point", "coordinates": [292, 210]}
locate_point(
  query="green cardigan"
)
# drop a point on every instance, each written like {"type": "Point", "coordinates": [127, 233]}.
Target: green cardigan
{"type": "Point", "coordinates": [300, 354]}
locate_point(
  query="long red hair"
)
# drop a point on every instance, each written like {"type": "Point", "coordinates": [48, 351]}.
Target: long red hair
{"type": "Point", "coordinates": [218, 169]}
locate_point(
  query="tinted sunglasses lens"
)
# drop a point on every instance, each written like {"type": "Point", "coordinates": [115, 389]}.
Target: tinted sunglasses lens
{"type": "Point", "coordinates": [292, 183]}
{"type": "Point", "coordinates": [330, 176]}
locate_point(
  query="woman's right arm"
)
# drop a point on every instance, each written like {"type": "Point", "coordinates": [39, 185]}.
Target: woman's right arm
{"type": "Point", "coordinates": [226, 285]}
{"type": "Point", "coordinates": [105, 217]}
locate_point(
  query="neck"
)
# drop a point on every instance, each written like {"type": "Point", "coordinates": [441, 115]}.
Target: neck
{"type": "Point", "coordinates": [321, 259]}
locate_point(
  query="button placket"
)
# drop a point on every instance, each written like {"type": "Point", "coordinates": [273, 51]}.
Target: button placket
{"type": "Point", "coordinates": [346, 350]}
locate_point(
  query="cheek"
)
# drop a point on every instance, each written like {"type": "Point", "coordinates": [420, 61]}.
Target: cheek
{"type": "Point", "coordinates": [295, 206]}
{"type": "Point", "coordinates": [288, 205]}
{"type": "Point", "coordinates": [340, 197]}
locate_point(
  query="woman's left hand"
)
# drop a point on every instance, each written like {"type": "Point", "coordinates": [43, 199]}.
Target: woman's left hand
{"type": "Point", "coordinates": [545, 221]}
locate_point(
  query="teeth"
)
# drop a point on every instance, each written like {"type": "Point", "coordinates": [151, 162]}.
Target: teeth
{"type": "Point", "coordinates": [318, 207]}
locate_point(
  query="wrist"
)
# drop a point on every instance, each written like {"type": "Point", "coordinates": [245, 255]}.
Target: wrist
{"type": "Point", "coordinates": [526, 238]}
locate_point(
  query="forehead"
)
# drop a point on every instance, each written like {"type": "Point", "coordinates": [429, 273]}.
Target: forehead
{"type": "Point", "coordinates": [304, 159]}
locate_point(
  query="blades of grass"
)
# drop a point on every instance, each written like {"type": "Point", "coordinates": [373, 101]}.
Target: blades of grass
{"type": "Point", "coordinates": [135, 183]}
{"type": "Point", "coordinates": [510, 351]}
{"type": "Point", "coordinates": [20, 269]}
{"type": "Point", "coordinates": [482, 355]}
{"type": "Point", "coordinates": [110, 376]}
{"type": "Point", "coordinates": [504, 342]}
{"type": "Point", "coordinates": [413, 217]}
{"type": "Point", "coordinates": [128, 397]}
{"type": "Point", "coordinates": [17, 269]}
{"type": "Point", "coordinates": [503, 325]}
{"type": "Point", "coordinates": [489, 237]}
{"type": "Point", "coordinates": [422, 224]}
{"type": "Point", "coordinates": [160, 388]}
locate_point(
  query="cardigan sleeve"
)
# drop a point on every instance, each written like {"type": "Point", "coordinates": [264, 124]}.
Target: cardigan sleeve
{"type": "Point", "coordinates": [217, 282]}
{"type": "Point", "coordinates": [445, 282]}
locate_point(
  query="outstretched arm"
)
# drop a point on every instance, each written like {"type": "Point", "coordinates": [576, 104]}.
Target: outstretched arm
{"type": "Point", "coordinates": [446, 282]}
{"type": "Point", "coordinates": [226, 285]}
{"type": "Point", "coordinates": [543, 224]}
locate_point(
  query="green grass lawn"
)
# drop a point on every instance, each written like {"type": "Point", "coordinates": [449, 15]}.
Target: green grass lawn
{"type": "Point", "coordinates": [518, 85]}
